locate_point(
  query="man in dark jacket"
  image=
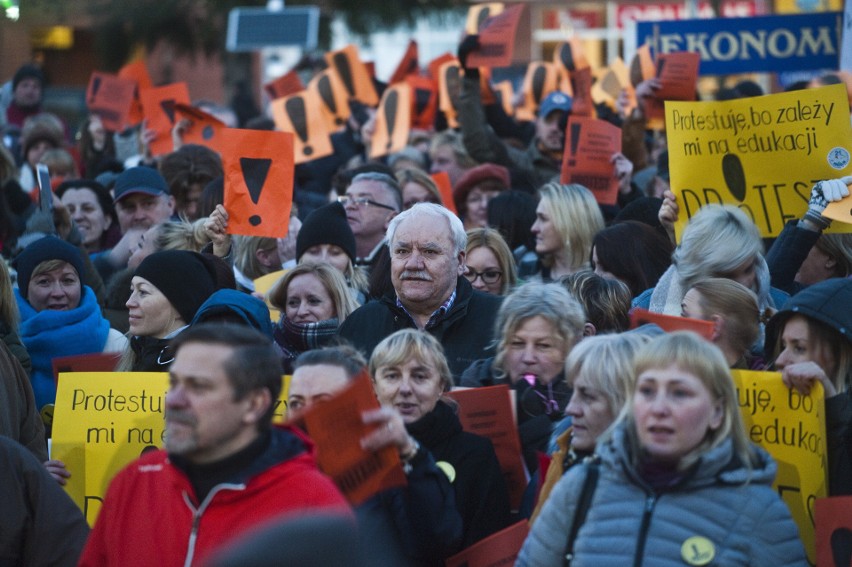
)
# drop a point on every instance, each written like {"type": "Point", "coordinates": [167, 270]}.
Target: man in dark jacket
{"type": "Point", "coordinates": [427, 244]}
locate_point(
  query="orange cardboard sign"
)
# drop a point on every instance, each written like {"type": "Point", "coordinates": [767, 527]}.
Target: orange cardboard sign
{"type": "Point", "coordinates": [204, 129]}
{"type": "Point", "coordinates": [485, 92]}
{"type": "Point", "coordinates": [424, 101]}
{"type": "Point", "coordinates": [449, 79]}
{"type": "Point", "coordinates": [434, 67]}
{"type": "Point", "coordinates": [670, 323]}
{"type": "Point", "coordinates": [95, 362]}
{"type": "Point", "coordinates": [158, 106]}
{"type": "Point", "coordinates": [328, 90]}
{"type": "Point", "coordinates": [833, 524]}
{"type": "Point", "coordinates": [497, 39]}
{"type": "Point", "coordinates": [504, 94]}
{"type": "Point", "coordinates": [445, 188]}
{"type": "Point", "coordinates": [285, 85]}
{"type": "Point", "coordinates": [354, 74]}
{"type": "Point", "coordinates": [408, 65]}
{"type": "Point", "coordinates": [337, 428]}
{"type": "Point", "coordinates": [110, 97]}
{"type": "Point", "coordinates": [136, 71]}
{"type": "Point", "coordinates": [570, 55]}
{"type": "Point", "coordinates": [678, 74]}
{"type": "Point", "coordinates": [840, 210]}
{"type": "Point", "coordinates": [501, 548]}
{"type": "Point", "coordinates": [259, 169]}
{"type": "Point", "coordinates": [478, 14]}
{"type": "Point", "coordinates": [642, 66]}
{"type": "Point", "coordinates": [589, 146]}
{"type": "Point", "coordinates": [540, 80]}
{"type": "Point", "coordinates": [300, 115]}
{"type": "Point", "coordinates": [581, 86]}
{"type": "Point", "coordinates": [393, 121]}
{"type": "Point", "coordinates": [489, 412]}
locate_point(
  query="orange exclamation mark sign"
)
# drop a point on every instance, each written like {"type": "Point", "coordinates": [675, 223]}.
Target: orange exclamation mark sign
{"type": "Point", "coordinates": [327, 94]}
{"type": "Point", "coordinates": [390, 115]}
{"type": "Point", "coordinates": [168, 107]}
{"type": "Point", "coordinates": [539, 76]}
{"type": "Point", "coordinates": [341, 62]}
{"type": "Point", "coordinates": [255, 171]}
{"type": "Point", "coordinates": [295, 107]}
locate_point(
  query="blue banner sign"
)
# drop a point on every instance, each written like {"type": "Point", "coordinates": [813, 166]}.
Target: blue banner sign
{"type": "Point", "coordinates": [747, 45]}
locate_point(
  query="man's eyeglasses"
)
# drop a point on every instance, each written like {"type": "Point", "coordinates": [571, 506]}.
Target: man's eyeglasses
{"type": "Point", "coordinates": [488, 276]}
{"type": "Point", "coordinates": [362, 202]}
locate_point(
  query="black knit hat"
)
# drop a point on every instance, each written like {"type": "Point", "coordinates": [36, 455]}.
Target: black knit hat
{"type": "Point", "coordinates": [326, 225]}
{"type": "Point", "coordinates": [28, 71]}
{"type": "Point", "coordinates": [186, 278]}
{"type": "Point", "coordinates": [42, 250]}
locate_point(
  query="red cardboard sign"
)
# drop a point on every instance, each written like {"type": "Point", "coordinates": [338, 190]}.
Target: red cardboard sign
{"type": "Point", "coordinates": [110, 97]}
{"type": "Point", "coordinates": [158, 106]}
{"type": "Point", "coordinates": [497, 39]}
{"type": "Point", "coordinates": [589, 146]}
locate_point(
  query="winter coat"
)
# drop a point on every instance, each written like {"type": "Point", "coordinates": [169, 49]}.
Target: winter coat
{"type": "Point", "coordinates": [465, 331]}
{"type": "Point", "coordinates": [734, 511]}
{"type": "Point", "coordinates": [150, 515]}
{"type": "Point", "coordinates": [787, 254]}
{"type": "Point", "coordinates": [19, 417]}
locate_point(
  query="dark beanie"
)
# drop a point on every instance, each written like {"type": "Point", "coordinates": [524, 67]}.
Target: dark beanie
{"type": "Point", "coordinates": [326, 225]}
{"type": "Point", "coordinates": [28, 71]}
{"type": "Point", "coordinates": [186, 278]}
{"type": "Point", "coordinates": [42, 250]}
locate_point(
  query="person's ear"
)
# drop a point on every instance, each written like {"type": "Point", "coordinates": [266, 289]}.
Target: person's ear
{"type": "Point", "coordinates": [171, 203]}
{"type": "Point", "coordinates": [461, 267]}
{"type": "Point", "coordinates": [718, 327]}
{"type": "Point", "coordinates": [718, 415]}
{"type": "Point", "coordinates": [390, 218]}
{"type": "Point", "coordinates": [263, 256]}
{"type": "Point", "coordinates": [259, 402]}
{"type": "Point", "coordinates": [589, 330]}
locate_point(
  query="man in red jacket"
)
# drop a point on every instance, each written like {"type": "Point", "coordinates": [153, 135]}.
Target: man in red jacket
{"type": "Point", "coordinates": [225, 469]}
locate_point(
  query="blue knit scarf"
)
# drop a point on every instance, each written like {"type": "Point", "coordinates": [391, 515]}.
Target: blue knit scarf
{"type": "Point", "coordinates": [49, 334]}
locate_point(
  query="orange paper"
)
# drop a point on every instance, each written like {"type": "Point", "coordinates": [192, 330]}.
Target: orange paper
{"type": "Point", "coordinates": [328, 90]}
{"type": "Point", "coordinates": [204, 129]}
{"type": "Point", "coordinates": [833, 523]}
{"type": "Point", "coordinates": [393, 121]}
{"type": "Point", "coordinates": [110, 97]}
{"type": "Point", "coordinates": [258, 168]}
{"type": "Point", "coordinates": [589, 146]}
{"type": "Point", "coordinates": [489, 412]}
{"type": "Point", "coordinates": [434, 67]}
{"type": "Point", "coordinates": [445, 188]}
{"type": "Point", "coordinates": [642, 67]}
{"type": "Point", "coordinates": [408, 65]}
{"type": "Point", "coordinates": [497, 39]}
{"type": "Point", "coordinates": [840, 210]}
{"type": "Point", "coordinates": [337, 428]}
{"type": "Point", "coordinates": [581, 86]}
{"type": "Point", "coordinates": [501, 548]}
{"type": "Point", "coordinates": [477, 14]}
{"type": "Point", "coordinates": [136, 71]}
{"type": "Point", "coordinates": [449, 78]}
{"type": "Point", "coordinates": [570, 55]}
{"type": "Point", "coordinates": [96, 362]}
{"type": "Point", "coordinates": [158, 106]}
{"type": "Point", "coordinates": [670, 323]}
{"type": "Point", "coordinates": [504, 94]}
{"type": "Point", "coordinates": [540, 80]}
{"type": "Point", "coordinates": [678, 75]}
{"type": "Point", "coordinates": [300, 114]}
{"type": "Point", "coordinates": [354, 74]}
{"type": "Point", "coordinates": [285, 85]}
{"type": "Point", "coordinates": [424, 101]}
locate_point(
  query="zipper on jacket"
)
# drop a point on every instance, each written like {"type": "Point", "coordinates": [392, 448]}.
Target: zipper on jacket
{"type": "Point", "coordinates": [650, 502]}
{"type": "Point", "coordinates": [196, 516]}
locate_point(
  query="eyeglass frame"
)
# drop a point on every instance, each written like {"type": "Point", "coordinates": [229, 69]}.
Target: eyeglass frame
{"type": "Point", "coordinates": [481, 275]}
{"type": "Point", "coordinates": [362, 201]}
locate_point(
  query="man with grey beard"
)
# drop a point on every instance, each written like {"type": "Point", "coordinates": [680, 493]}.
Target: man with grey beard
{"type": "Point", "coordinates": [225, 468]}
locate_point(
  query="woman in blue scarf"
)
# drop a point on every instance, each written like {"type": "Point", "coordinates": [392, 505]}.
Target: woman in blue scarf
{"type": "Point", "coordinates": [59, 315]}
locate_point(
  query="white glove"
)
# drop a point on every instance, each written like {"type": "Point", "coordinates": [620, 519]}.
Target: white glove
{"type": "Point", "coordinates": [836, 189]}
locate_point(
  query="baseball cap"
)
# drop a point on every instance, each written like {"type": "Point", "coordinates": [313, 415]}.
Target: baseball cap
{"type": "Point", "coordinates": [555, 101]}
{"type": "Point", "coordinates": [139, 180]}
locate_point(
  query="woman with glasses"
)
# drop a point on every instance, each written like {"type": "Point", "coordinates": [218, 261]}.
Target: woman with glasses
{"type": "Point", "coordinates": [537, 326]}
{"type": "Point", "coordinates": [489, 266]}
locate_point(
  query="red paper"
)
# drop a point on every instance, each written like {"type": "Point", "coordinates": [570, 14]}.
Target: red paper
{"type": "Point", "coordinates": [497, 39]}
{"type": "Point", "coordinates": [204, 129]}
{"type": "Point", "coordinates": [445, 188]}
{"type": "Point", "coordinates": [833, 523]}
{"type": "Point", "coordinates": [136, 71]}
{"type": "Point", "coordinates": [587, 159]}
{"type": "Point", "coordinates": [285, 85]}
{"type": "Point", "coordinates": [408, 64]}
{"type": "Point", "coordinates": [158, 105]}
{"type": "Point", "coordinates": [581, 86]}
{"type": "Point", "coordinates": [670, 323]}
{"type": "Point", "coordinates": [110, 97]}
{"type": "Point", "coordinates": [424, 101]}
{"type": "Point", "coordinates": [501, 548]}
{"type": "Point", "coordinates": [96, 362]}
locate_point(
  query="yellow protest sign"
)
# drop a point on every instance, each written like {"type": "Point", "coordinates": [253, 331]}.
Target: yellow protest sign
{"type": "Point", "coordinates": [791, 427]}
{"type": "Point", "coordinates": [762, 154]}
{"type": "Point", "coordinates": [105, 420]}
{"type": "Point", "coordinates": [263, 285]}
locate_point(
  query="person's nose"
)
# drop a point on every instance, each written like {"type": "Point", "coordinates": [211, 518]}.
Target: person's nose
{"type": "Point", "coordinates": [414, 261]}
{"type": "Point", "coordinates": [176, 397]}
{"type": "Point", "coordinates": [131, 301]}
{"type": "Point", "coordinates": [303, 309]}
{"type": "Point", "coordinates": [56, 289]}
{"type": "Point", "coordinates": [783, 359]}
{"type": "Point", "coordinates": [534, 229]}
{"type": "Point", "coordinates": [479, 283]}
{"type": "Point", "coordinates": [659, 404]}
{"type": "Point", "coordinates": [573, 408]}
{"type": "Point", "coordinates": [405, 386]}
{"type": "Point", "coordinates": [528, 356]}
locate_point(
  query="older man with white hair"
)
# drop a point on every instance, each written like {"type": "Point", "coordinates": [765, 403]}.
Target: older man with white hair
{"type": "Point", "coordinates": [427, 244]}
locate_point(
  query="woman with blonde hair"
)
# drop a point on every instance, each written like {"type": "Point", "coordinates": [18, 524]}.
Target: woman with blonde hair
{"type": "Point", "coordinates": [567, 220]}
{"type": "Point", "coordinates": [489, 264]}
{"type": "Point", "coordinates": [314, 300]}
{"type": "Point", "coordinates": [417, 187]}
{"type": "Point", "coordinates": [677, 477]}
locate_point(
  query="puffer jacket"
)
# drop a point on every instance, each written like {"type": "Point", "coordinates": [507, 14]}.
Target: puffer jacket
{"type": "Point", "coordinates": [735, 512]}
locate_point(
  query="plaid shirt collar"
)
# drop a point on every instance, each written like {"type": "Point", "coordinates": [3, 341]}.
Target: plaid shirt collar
{"type": "Point", "coordinates": [436, 315]}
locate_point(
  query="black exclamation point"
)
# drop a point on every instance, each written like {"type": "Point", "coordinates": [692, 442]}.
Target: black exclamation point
{"type": "Point", "coordinates": [168, 107]}
{"type": "Point", "coordinates": [345, 72]}
{"type": "Point", "coordinates": [96, 85]}
{"type": "Point", "coordinates": [567, 57]}
{"type": "Point", "coordinates": [732, 170]}
{"type": "Point", "coordinates": [575, 141]}
{"type": "Point", "coordinates": [539, 75]}
{"type": "Point", "coordinates": [390, 115]}
{"type": "Point", "coordinates": [255, 171]}
{"type": "Point", "coordinates": [295, 107]}
{"type": "Point", "coordinates": [327, 95]}
{"type": "Point", "coordinates": [421, 100]}
{"type": "Point", "coordinates": [483, 15]}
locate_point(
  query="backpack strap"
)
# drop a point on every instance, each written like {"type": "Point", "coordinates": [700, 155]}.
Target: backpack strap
{"type": "Point", "coordinates": [589, 485]}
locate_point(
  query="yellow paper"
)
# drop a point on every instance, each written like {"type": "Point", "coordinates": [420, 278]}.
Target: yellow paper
{"type": "Point", "coordinates": [791, 427]}
{"type": "Point", "coordinates": [105, 420]}
{"type": "Point", "coordinates": [762, 154]}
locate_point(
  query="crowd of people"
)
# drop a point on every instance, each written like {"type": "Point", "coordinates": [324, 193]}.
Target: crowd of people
{"type": "Point", "coordinates": [528, 285]}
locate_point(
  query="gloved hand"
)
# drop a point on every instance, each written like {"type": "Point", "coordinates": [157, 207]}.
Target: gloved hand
{"type": "Point", "coordinates": [467, 46]}
{"type": "Point", "coordinates": [823, 193]}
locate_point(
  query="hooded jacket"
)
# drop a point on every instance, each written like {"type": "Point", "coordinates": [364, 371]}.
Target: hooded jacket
{"type": "Point", "coordinates": [252, 311]}
{"type": "Point", "coordinates": [736, 513]}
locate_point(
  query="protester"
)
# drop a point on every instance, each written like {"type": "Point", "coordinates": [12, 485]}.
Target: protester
{"type": "Point", "coordinates": [512, 213]}
{"type": "Point", "coordinates": [254, 257]}
{"type": "Point", "coordinates": [632, 252]}
{"type": "Point", "coordinates": [371, 201]}
{"type": "Point", "coordinates": [187, 171]}
{"type": "Point", "coordinates": [449, 155]}
{"type": "Point", "coordinates": [417, 187]}
{"type": "Point", "coordinates": [27, 94]}
{"type": "Point", "coordinates": [41, 132]}
{"type": "Point", "coordinates": [679, 465]}
{"type": "Point", "coordinates": [314, 301]}
{"type": "Point", "coordinates": [232, 306]}
{"type": "Point", "coordinates": [427, 244]}
{"type": "Point", "coordinates": [225, 469]}
{"type": "Point", "coordinates": [96, 146]}
{"type": "Point", "coordinates": [536, 327]}
{"type": "Point", "coordinates": [489, 266]}
{"type": "Point", "coordinates": [91, 209]}
{"type": "Point", "coordinates": [473, 191]}
{"type": "Point", "coordinates": [606, 302]}
{"type": "Point", "coordinates": [410, 374]}
{"type": "Point", "coordinates": [811, 340]}
{"type": "Point", "coordinates": [59, 315]}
